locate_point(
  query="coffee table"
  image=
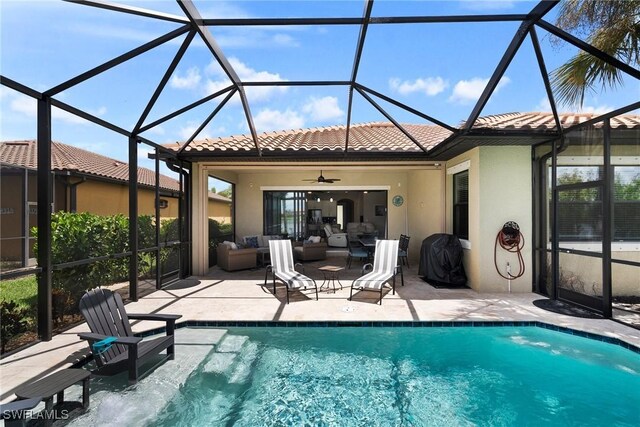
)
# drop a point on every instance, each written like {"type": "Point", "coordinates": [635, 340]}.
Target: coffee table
{"type": "Point", "coordinates": [331, 273]}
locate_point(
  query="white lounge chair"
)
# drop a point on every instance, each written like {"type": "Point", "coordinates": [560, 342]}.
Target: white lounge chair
{"type": "Point", "coordinates": [283, 268]}
{"type": "Point", "coordinates": [385, 267]}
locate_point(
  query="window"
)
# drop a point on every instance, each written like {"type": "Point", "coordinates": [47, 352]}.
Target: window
{"type": "Point", "coordinates": [580, 209]}
{"type": "Point", "coordinates": [461, 204]}
{"type": "Point", "coordinates": [285, 213]}
{"type": "Point", "coordinates": [163, 204]}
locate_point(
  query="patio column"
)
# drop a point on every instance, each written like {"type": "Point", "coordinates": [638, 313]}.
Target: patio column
{"type": "Point", "coordinates": [199, 221]}
{"type": "Point", "coordinates": [45, 189]}
{"type": "Point", "coordinates": [133, 218]}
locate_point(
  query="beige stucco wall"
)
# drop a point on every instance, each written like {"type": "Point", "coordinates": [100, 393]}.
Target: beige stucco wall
{"type": "Point", "coordinates": [219, 211]}
{"type": "Point", "coordinates": [425, 208]}
{"type": "Point", "coordinates": [106, 198]}
{"type": "Point", "coordinates": [499, 191]}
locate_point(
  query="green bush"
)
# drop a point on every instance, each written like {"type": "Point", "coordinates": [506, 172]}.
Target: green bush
{"type": "Point", "coordinates": [79, 236]}
{"type": "Point", "coordinates": [14, 321]}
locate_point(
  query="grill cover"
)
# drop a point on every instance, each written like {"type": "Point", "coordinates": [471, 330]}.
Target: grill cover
{"type": "Point", "coordinates": [441, 260]}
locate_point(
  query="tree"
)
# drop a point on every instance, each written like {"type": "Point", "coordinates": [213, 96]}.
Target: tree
{"type": "Point", "coordinates": [226, 192]}
{"type": "Point", "coordinates": [611, 26]}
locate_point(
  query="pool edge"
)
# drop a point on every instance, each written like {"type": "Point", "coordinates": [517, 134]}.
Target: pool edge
{"type": "Point", "coordinates": [399, 324]}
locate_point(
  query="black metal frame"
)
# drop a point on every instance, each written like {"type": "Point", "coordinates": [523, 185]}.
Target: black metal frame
{"type": "Point", "coordinates": [602, 304]}
{"type": "Point", "coordinates": [193, 23]}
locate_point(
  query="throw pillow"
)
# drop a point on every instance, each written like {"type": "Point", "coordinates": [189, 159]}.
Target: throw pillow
{"type": "Point", "coordinates": [231, 245]}
{"type": "Point", "coordinates": [252, 241]}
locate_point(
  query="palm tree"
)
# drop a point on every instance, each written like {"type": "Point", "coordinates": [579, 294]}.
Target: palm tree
{"type": "Point", "coordinates": [613, 27]}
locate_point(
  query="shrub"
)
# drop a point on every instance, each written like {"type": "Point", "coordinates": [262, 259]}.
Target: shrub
{"type": "Point", "coordinates": [78, 236]}
{"type": "Point", "coordinates": [14, 321]}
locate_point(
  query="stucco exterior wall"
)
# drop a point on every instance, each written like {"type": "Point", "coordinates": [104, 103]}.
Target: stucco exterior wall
{"type": "Point", "coordinates": [505, 195]}
{"type": "Point", "coordinates": [425, 208]}
{"type": "Point", "coordinates": [106, 198]}
{"type": "Point", "coordinates": [499, 191]}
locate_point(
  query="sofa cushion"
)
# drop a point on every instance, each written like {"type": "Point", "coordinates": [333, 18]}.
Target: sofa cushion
{"type": "Point", "coordinates": [252, 241]}
{"type": "Point", "coordinates": [265, 240]}
{"type": "Point", "coordinates": [231, 245]}
{"type": "Point", "coordinates": [313, 239]}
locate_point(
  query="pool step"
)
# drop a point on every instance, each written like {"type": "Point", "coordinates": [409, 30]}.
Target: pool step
{"type": "Point", "coordinates": [233, 357]}
{"type": "Point", "coordinates": [157, 389]}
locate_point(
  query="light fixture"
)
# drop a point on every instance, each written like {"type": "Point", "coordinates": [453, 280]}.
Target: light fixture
{"type": "Point", "coordinates": [308, 192]}
{"type": "Point", "coordinates": [331, 199]}
{"type": "Point", "coordinates": [318, 199]}
{"type": "Point", "coordinates": [365, 192]}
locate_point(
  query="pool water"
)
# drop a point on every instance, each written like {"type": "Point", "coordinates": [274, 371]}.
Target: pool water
{"type": "Point", "coordinates": [343, 376]}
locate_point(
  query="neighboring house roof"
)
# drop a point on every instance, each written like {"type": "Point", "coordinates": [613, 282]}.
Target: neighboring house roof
{"type": "Point", "coordinates": [384, 137]}
{"type": "Point", "coordinates": [218, 197]}
{"type": "Point", "coordinates": [73, 159]}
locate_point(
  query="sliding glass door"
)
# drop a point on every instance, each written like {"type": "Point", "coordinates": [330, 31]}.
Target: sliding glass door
{"type": "Point", "coordinates": [285, 214]}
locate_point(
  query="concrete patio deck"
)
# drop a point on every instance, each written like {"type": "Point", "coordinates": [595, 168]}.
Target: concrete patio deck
{"type": "Point", "coordinates": [241, 296]}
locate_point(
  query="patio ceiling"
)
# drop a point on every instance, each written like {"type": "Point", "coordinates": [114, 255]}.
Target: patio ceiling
{"type": "Point", "coordinates": [430, 139]}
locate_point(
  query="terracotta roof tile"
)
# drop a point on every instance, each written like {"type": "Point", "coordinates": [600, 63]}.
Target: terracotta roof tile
{"type": "Point", "coordinates": [69, 158]}
{"type": "Point", "coordinates": [544, 121]}
{"type": "Point", "coordinates": [371, 137]}
{"type": "Point", "coordinates": [384, 137]}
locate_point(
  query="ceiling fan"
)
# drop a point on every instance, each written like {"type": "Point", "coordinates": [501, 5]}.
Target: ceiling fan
{"type": "Point", "coordinates": [322, 180]}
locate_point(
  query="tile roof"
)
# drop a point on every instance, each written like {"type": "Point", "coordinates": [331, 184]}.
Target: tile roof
{"type": "Point", "coordinates": [544, 121]}
{"type": "Point", "coordinates": [365, 137]}
{"type": "Point", "coordinates": [384, 137]}
{"type": "Point", "coordinates": [218, 197]}
{"type": "Point", "coordinates": [69, 158]}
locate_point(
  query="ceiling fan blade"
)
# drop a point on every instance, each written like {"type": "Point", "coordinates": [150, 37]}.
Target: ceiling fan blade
{"type": "Point", "coordinates": [331, 179]}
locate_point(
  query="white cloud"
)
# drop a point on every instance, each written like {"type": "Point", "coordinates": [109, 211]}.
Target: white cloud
{"type": "Point", "coordinates": [268, 119]}
{"type": "Point", "coordinates": [597, 110]}
{"type": "Point", "coordinates": [246, 74]}
{"type": "Point", "coordinates": [189, 81]}
{"type": "Point", "coordinates": [469, 91]}
{"type": "Point", "coordinates": [323, 109]}
{"type": "Point", "coordinates": [156, 130]}
{"type": "Point", "coordinates": [187, 131]}
{"type": "Point", "coordinates": [430, 86]}
{"type": "Point", "coordinates": [117, 32]}
{"type": "Point", "coordinates": [28, 106]}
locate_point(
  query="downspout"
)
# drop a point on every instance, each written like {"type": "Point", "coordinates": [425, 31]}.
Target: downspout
{"type": "Point", "coordinates": [73, 192]}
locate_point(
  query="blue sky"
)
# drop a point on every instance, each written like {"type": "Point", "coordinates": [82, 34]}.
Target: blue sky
{"type": "Point", "coordinates": [439, 69]}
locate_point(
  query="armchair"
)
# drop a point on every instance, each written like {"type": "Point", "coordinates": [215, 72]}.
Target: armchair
{"type": "Point", "coordinates": [336, 240]}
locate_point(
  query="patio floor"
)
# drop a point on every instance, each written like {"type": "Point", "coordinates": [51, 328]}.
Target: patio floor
{"type": "Point", "coordinates": [241, 296]}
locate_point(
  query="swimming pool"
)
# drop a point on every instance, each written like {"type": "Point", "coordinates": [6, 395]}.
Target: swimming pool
{"type": "Point", "coordinates": [382, 376]}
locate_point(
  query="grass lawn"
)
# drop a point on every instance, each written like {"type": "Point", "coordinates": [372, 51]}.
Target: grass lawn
{"type": "Point", "coordinates": [23, 291]}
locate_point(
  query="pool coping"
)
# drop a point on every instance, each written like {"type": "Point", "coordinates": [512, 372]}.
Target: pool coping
{"type": "Point", "coordinates": [392, 324]}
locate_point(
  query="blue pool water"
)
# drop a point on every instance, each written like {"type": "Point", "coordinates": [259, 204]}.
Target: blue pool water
{"type": "Point", "coordinates": [507, 376]}
{"type": "Point", "coordinates": [409, 376]}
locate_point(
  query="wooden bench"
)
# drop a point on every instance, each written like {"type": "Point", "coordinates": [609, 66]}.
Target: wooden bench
{"type": "Point", "coordinates": [56, 384]}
